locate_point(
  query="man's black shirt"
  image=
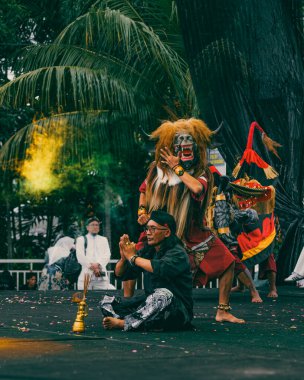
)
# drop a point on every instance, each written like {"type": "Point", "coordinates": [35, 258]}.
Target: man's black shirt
{"type": "Point", "coordinates": [171, 270]}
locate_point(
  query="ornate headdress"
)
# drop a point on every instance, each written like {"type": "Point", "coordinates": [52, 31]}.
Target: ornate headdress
{"type": "Point", "coordinates": [165, 136]}
{"type": "Point", "coordinates": [174, 196]}
{"type": "Point", "coordinates": [251, 164]}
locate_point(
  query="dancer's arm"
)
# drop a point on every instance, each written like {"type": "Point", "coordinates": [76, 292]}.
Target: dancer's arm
{"type": "Point", "coordinates": [173, 161]}
{"type": "Point", "coordinates": [143, 215]}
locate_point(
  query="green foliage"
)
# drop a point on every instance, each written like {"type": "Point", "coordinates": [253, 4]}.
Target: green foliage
{"type": "Point", "coordinates": [117, 56]}
{"type": "Point", "coordinates": [116, 65]}
{"type": "Point", "coordinates": [12, 120]}
{"type": "Point", "coordinates": [12, 34]}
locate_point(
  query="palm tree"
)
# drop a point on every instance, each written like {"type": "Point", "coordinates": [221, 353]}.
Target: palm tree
{"type": "Point", "coordinates": [118, 58]}
{"type": "Point", "coordinates": [115, 67]}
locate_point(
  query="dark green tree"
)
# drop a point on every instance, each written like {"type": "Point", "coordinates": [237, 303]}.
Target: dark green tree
{"type": "Point", "coordinates": [246, 62]}
{"type": "Point", "coordinates": [117, 66]}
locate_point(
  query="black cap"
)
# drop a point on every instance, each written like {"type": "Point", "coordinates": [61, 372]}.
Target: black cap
{"type": "Point", "coordinates": [93, 219]}
{"type": "Point", "coordinates": [164, 219]}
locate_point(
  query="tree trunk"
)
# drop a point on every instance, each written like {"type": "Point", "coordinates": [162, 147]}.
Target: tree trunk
{"type": "Point", "coordinates": [20, 226]}
{"type": "Point", "coordinates": [9, 231]}
{"type": "Point", "coordinates": [107, 212]}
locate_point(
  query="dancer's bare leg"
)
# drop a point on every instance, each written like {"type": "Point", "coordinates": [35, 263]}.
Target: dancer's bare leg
{"type": "Point", "coordinates": [246, 279]}
{"type": "Point", "coordinates": [128, 288]}
{"type": "Point", "coordinates": [273, 292]}
{"type": "Point", "coordinates": [239, 288]}
{"type": "Point", "coordinates": [110, 323]}
{"type": "Point", "coordinates": [225, 282]}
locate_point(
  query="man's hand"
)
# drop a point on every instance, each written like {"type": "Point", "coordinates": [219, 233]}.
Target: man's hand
{"type": "Point", "coordinates": [122, 242]}
{"type": "Point", "coordinates": [127, 249]}
{"type": "Point", "coordinates": [96, 268]}
{"type": "Point", "coordinates": [121, 246]}
{"type": "Point", "coordinates": [168, 158]}
{"type": "Point", "coordinates": [143, 219]}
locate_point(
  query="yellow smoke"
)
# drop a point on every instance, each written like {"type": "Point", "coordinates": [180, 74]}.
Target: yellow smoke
{"type": "Point", "coordinates": [41, 158]}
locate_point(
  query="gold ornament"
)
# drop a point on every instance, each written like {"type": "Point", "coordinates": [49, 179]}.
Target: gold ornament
{"type": "Point", "coordinates": [179, 170]}
{"type": "Point", "coordinates": [79, 325]}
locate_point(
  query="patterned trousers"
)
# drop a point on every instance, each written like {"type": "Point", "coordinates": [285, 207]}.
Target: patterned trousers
{"type": "Point", "coordinates": [159, 310]}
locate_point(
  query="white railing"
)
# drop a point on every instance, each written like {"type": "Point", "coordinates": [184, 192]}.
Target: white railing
{"type": "Point", "coordinates": [35, 266]}
{"type": "Point", "coordinates": [19, 268]}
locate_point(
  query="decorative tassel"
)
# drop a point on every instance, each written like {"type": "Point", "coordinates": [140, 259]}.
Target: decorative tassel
{"type": "Point", "coordinates": [271, 145]}
{"type": "Point", "coordinates": [270, 172]}
{"type": "Point", "coordinates": [209, 217]}
{"type": "Point", "coordinates": [236, 170]}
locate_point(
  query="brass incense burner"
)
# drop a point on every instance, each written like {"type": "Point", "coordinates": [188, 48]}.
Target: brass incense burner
{"type": "Point", "coordinates": [79, 325]}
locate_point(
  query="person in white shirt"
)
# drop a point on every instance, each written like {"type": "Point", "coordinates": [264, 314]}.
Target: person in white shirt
{"type": "Point", "coordinates": [298, 273]}
{"type": "Point", "coordinates": [93, 253]}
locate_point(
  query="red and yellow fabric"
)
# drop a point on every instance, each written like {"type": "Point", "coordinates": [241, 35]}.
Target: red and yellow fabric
{"type": "Point", "coordinates": [257, 239]}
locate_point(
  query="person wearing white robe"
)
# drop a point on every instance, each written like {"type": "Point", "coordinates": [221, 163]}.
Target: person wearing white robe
{"type": "Point", "coordinates": [298, 272]}
{"type": "Point", "coordinates": [93, 255]}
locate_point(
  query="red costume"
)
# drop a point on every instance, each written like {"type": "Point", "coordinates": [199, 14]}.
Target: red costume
{"type": "Point", "coordinates": [218, 258]}
{"type": "Point", "coordinates": [253, 189]}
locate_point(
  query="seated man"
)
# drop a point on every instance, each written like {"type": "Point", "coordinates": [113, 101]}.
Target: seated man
{"type": "Point", "coordinates": [31, 282]}
{"type": "Point", "coordinates": [168, 303]}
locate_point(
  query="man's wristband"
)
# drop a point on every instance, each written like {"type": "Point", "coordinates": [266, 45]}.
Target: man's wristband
{"type": "Point", "coordinates": [132, 260]}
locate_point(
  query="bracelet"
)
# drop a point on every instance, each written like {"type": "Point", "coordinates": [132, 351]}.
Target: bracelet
{"type": "Point", "coordinates": [132, 260]}
{"type": "Point", "coordinates": [220, 197]}
{"type": "Point", "coordinates": [179, 170]}
{"type": "Point", "coordinates": [141, 210]}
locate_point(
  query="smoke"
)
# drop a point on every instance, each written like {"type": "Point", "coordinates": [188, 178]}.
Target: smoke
{"type": "Point", "coordinates": [38, 169]}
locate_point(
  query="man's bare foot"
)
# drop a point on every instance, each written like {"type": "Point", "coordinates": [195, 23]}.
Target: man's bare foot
{"type": "Point", "coordinates": [273, 294]}
{"type": "Point", "coordinates": [224, 316]}
{"type": "Point", "coordinates": [237, 289]}
{"type": "Point", "coordinates": [255, 297]}
{"type": "Point", "coordinates": [113, 323]}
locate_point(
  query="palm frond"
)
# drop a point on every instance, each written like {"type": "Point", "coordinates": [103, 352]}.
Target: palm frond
{"type": "Point", "coordinates": [160, 15]}
{"type": "Point", "coordinates": [118, 58]}
{"type": "Point", "coordinates": [117, 32]}
{"type": "Point", "coordinates": [64, 55]}
{"type": "Point", "coordinates": [72, 88]}
{"type": "Point", "coordinates": [82, 134]}
{"type": "Point", "coordinates": [155, 14]}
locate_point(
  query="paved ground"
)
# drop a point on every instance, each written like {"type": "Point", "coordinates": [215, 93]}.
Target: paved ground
{"type": "Point", "coordinates": [36, 342]}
